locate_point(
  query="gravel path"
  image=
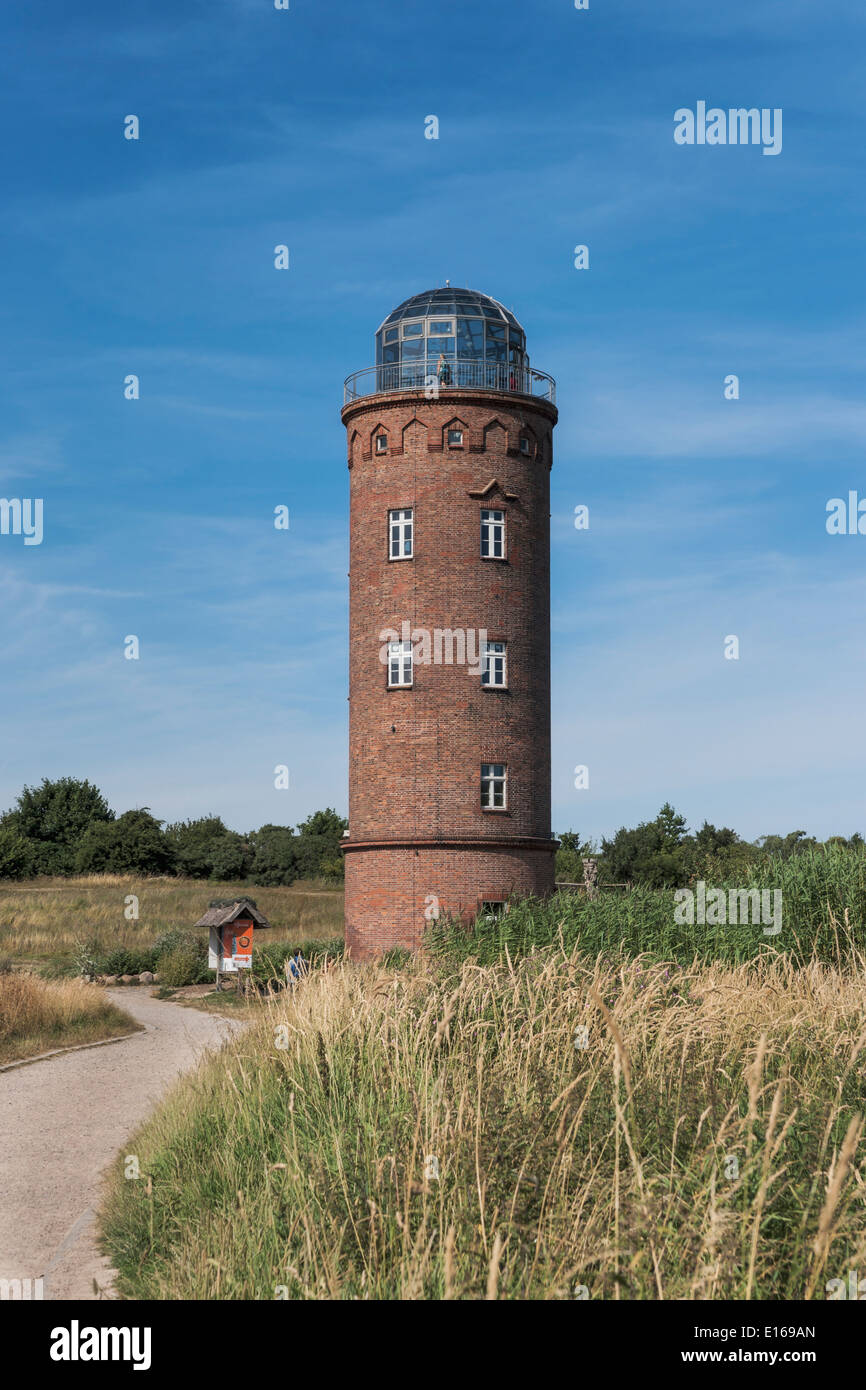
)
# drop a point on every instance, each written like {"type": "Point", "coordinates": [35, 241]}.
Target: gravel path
{"type": "Point", "coordinates": [63, 1121]}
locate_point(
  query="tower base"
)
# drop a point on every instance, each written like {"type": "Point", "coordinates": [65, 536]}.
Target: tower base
{"type": "Point", "coordinates": [396, 890]}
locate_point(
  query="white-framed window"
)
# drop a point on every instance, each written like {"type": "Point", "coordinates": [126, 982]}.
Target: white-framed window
{"type": "Point", "coordinates": [494, 791]}
{"type": "Point", "coordinates": [455, 438]}
{"type": "Point", "coordinates": [399, 663]}
{"type": "Point", "coordinates": [494, 665]}
{"type": "Point", "coordinates": [524, 444]}
{"type": "Point", "coordinates": [492, 534]}
{"type": "Point", "coordinates": [381, 443]}
{"type": "Point", "coordinates": [400, 534]}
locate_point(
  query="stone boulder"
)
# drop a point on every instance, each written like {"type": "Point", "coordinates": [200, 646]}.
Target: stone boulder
{"type": "Point", "coordinates": [146, 977]}
{"type": "Point", "coordinates": [127, 979]}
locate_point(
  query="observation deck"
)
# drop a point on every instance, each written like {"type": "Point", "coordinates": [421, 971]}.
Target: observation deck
{"type": "Point", "coordinates": [447, 339]}
{"type": "Point", "coordinates": [459, 373]}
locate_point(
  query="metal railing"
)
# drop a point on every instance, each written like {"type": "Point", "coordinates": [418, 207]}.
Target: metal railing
{"type": "Point", "coordinates": [469, 373]}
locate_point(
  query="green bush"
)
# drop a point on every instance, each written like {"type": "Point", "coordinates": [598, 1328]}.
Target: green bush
{"type": "Point", "coordinates": [91, 958]}
{"type": "Point", "coordinates": [179, 966]}
{"type": "Point", "coordinates": [14, 853]}
{"type": "Point", "coordinates": [125, 961]}
{"type": "Point", "coordinates": [181, 958]}
{"type": "Point", "coordinates": [178, 936]}
{"type": "Point", "coordinates": [183, 947]}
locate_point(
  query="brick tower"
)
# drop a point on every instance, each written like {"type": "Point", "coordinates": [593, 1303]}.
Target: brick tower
{"type": "Point", "coordinates": [450, 451]}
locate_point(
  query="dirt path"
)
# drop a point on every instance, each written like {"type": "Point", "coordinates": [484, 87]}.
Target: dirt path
{"type": "Point", "coordinates": [62, 1122]}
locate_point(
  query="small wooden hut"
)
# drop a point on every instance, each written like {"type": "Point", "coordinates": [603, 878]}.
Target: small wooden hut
{"type": "Point", "coordinates": [231, 924]}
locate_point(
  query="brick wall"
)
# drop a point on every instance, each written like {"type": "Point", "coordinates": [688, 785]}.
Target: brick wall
{"type": "Point", "coordinates": [415, 754]}
{"type": "Point", "coordinates": [394, 892]}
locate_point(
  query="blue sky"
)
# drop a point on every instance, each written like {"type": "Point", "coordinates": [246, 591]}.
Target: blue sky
{"type": "Point", "coordinates": [306, 127]}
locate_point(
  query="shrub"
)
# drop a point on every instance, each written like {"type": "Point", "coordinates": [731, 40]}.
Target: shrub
{"type": "Point", "coordinates": [179, 966]}
{"type": "Point", "coordinates": [91, 958]}
{"type": "Point", "coordinates": [180, 958]}
{"type": "Point", "coordinates": [87, 956]}
{"type": "Point", "coordinates": [125, 961]}
{"type": "Point", "coordinates": [14, 853]}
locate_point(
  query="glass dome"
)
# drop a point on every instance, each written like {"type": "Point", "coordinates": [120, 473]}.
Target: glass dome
{"type": "Point", "coordinates": [450, 338]}
{"type": "Point", "coordinates": [429, 332]}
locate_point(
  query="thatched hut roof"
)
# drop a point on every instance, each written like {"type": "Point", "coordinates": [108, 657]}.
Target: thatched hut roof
{"type": "Point", "coordinates": [222, 912]}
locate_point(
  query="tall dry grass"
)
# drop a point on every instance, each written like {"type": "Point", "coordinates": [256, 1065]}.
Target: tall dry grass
{"type": "Point", "coordinates": [37, 1015]}
{"type": "Point", "coordinates": [554, 1128]}
{"type": "Point", "coordinates": [42, 921]}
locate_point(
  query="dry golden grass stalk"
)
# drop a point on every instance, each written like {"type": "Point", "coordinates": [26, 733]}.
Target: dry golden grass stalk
{"type": "Point", "coordinates": [677, 1155]}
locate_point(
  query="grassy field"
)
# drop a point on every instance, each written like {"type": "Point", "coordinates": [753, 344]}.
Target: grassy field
{"type": "Point", "coordinates": [37, 1015]}
{"type": "Point", "coordinates": [556, 1127]}
{"type": "Point", "coordinates": [823, 894]}
{"type": "Point", "coordinates": [41, 921]}
{"type": "Point", "coordinates": [579, 1099]}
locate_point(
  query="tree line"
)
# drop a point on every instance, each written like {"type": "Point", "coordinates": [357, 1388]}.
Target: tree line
{"type": "Point", "coordinates": [663, 853]}
{"type": "Point", "coordinates": [67, 827]}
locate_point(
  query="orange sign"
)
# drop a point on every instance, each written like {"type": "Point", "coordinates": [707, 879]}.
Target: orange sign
{"type": "Point", "coordinates": [237, 946]}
